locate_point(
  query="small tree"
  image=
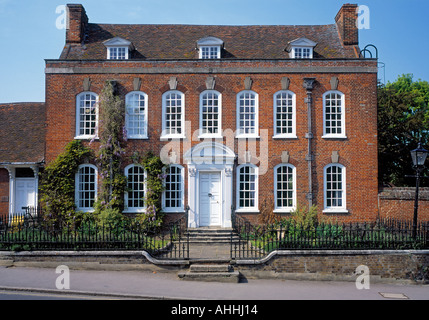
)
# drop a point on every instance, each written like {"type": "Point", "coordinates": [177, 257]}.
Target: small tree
{"type": "Point", "coordinates": [403, 118]}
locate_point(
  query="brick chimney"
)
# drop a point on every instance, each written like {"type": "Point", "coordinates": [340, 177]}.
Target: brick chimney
{"type": "Point", "coordinates": [76, 24]}
{"type": "Point", "coordinates": [346, 20]}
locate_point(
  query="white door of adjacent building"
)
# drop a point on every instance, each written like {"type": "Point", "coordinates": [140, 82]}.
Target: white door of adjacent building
{"type": "Point", "coordinates": [25, 191]}
{"type": "Point", "coordinates": [210, 199]}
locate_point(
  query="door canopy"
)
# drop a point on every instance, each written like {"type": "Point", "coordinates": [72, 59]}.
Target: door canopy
{"type": "Point", "coordinates": [210, 153]}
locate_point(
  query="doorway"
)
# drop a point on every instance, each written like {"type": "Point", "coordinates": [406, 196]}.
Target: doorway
{"type": "Point", "coordinates": [210, 199]}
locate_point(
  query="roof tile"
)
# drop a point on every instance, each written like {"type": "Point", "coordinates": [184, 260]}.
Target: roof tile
{"type": "Point", "coordinates": [180, 41]}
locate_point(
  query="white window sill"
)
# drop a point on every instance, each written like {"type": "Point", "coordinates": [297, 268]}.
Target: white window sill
{"type": "Point", "coordinates": [247, 136]}
{"type": "Point", "coordinates": [172, 137]}
{"type": "Point", "coordinates": [134, 210]}
{"type": "Point", "coordinates": [137, 137]}
{"type": "Point", "coordinates": [247, 210]}
{"type": "Point", "coordinates": [284, 210]}
{"type": "Point", "coordinates": [85, 209]}
{"type": "Point", "coordinates": [210, 136]}
{"type": "Point", "coordinates": [178, 210]}
{"type": "Point", "coordinates": [86, 138]}
{"type": "Point", "coordinates": [334, 136]}
{"type": "Point", "coordinates": [335, 210]}
{"type": "Point", "coordinates": [285, 136]}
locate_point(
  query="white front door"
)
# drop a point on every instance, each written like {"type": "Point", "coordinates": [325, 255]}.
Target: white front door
{"type": "Point", "coordinates": [210, 199]}
{"type": "Point", "coordinates": [25, 191]}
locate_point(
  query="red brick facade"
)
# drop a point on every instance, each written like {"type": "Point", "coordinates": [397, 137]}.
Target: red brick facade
{"type": "Point", "coordinates": [358, 153]}
{"type": "Point", "coordinates": [357, 80]}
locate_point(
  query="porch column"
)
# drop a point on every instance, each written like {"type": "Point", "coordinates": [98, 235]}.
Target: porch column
{"type": "Point", "coordinates": [192, 196]}
{"type": "Point", "coordinates": [227, 194]}
{"type": "Point", "coordinates": [36, 187]}
{"type": "Point", "coordinates": [11, 171]}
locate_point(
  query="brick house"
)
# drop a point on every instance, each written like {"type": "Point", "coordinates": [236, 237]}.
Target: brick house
{"type": "Point", "coordinates": [248, 117]}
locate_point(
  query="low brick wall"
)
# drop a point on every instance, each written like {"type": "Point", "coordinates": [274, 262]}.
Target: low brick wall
{"type": "Point", "coordinates": [398, 203]}
{"type": "Point", "coordinates": [340, 265]}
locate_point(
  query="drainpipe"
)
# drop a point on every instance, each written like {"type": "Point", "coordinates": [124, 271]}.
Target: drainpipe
{"type": "Point", "coordinates": [309, 86]}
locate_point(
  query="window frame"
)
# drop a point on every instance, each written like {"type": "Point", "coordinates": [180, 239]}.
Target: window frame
{"type": "Point", "coordinates": [209, 55]}
{"type": "Point", "coordinates": [182, 191]}
{"type": "Point", "coordinates": [78, 114]}
{"type": "Point", "coordinates": [255, 207]}
{"type": "Point", "coordinates": [239, 133]}
{"type": "Point", "coordinates": [302, 48]}
{"type": "Point", "coordinates": [343, 207]}
{"type": "Point", "coordinates": [78, 190]}
{"type": "Point", "coordinates": [127, 116]}
{"type": "Point", "coordinates": [341, 135]}
{"type": "Point", "coordinates": [291, 135]}
{"type": "Point", "coordinates": [110, 49]}
{"type": "Point", "coordinates": [203, 135]}
{"type": "Point", "coordinates": [164, 135]}
{"type": "Point", "coordinates": [127, 208]}
{"type": "Point", "coordinates": [282, 209]}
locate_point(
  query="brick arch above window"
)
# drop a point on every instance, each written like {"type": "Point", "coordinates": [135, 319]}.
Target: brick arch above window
{"type": "Point", "coordinates": [166, 88]}
{"type": "Point", "coordinates": [292, 161]}
{"type": "Point", "coordinates": [326, 160]}
{"type": "Point", "coordinates": [203, 87]}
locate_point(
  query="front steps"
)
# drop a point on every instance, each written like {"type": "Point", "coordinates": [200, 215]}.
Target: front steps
{"type": "Point", "coordinates": [212, 235]}
{"type": "Point", "coordinates": [211, 273]}
{"type": "Point", "coordinates": [210, 255]}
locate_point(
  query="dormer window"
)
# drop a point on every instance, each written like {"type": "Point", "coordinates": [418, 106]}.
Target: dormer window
{"type": "Point", "coordinates": [210, 53]}
{"type": "Point", "coordinates": [302, 53]}
{"type": "Point", "coordinates": [301, 48]}
{"type": "Point", "coordinates": [117, 53]}
{"type": "Point", "coordinates": [210, 48]}
{"type": "Point", "coordinates": [118, 48]}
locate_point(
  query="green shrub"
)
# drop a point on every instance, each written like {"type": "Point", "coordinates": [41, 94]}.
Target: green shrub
{"type": "Point", "coordinates": [57, 184]}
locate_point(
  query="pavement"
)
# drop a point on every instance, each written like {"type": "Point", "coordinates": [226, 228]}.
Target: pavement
{"type": "Point", "coordinates": [167, 286]}
{"type": "Point", "coordinates": [211, 252]}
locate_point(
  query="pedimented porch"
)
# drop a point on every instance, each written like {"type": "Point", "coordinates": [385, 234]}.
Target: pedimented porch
{"type": "Point", "coordinates": [210, 185]}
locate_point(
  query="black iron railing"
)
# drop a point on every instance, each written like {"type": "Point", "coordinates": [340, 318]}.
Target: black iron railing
{"type": "Point", "coordinates": [258, 241]}
{"type": "Point", "coordinates": [32, 232]}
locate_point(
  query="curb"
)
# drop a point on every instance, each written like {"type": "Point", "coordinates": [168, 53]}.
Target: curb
{"type": "Point", "coordinates": [91, 293]}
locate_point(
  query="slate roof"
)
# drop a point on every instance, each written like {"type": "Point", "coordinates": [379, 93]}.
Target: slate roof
{"type": "Point", "coordinates": [158, 42]}
{"type": "Point", "coordinates": [22, 132]}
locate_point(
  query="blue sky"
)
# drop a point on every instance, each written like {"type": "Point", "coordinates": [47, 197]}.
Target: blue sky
{"type": "Point", "coordinates": [28, 32]}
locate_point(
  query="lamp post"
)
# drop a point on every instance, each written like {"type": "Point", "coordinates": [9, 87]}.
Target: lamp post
{"type": "Point", "coordinates": [419, 157]}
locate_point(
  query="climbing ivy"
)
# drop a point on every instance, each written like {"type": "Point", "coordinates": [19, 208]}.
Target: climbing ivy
{"type": "Point", "coordinates": [57, 184]}
{"type": "Point", "coordinates": [110, 152]}
{"type": "Point", "coordinates": [155, 175]}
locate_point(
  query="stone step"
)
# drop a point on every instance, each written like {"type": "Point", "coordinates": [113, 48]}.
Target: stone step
{"type": "Point", "coordinates": [210, 273]}
{"type": "Point", "coordinates": [210, 231]}
{"type": "Point", "coordinates": [212, 236]}
{"type": "Point", "coordinates": [213, 240]}
{"type": "Point", "coordinates": [198, 268]}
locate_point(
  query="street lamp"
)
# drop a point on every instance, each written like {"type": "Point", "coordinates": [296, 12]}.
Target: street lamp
{"type": "Point", "coordinates": [419, 157]}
